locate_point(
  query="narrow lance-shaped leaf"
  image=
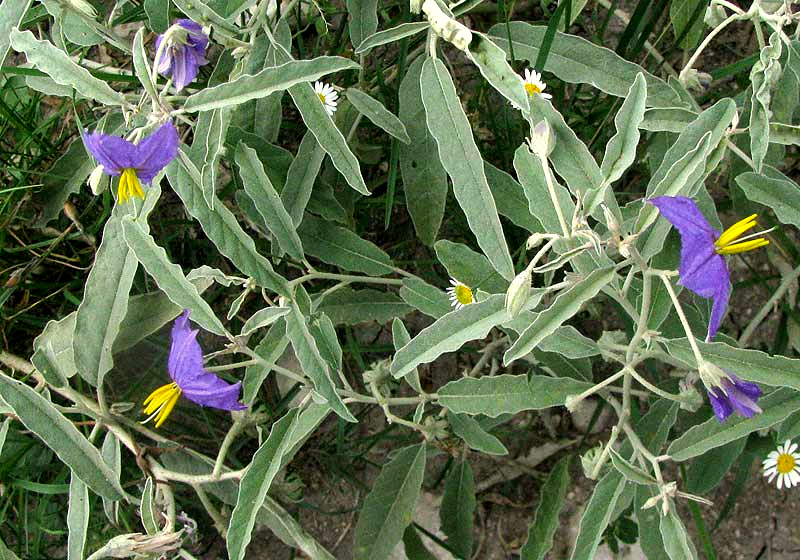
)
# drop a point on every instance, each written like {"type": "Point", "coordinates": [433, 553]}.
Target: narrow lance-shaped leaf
{"type": "Point", "coordinates": [463, 161]}
{"type": "Point", "coordinates": [341, 247]}
{"type": "Point", "coordinates": [301, 176]}
{"type": "Point", "coordinates": [11, 14]}
{"type": "Point", "coordinates": [212, 145]}
{"type": "Point", "coordinates": [199, 11]}
{"type": "Point", "coordinates": [621, 149]}
{"type": "Point", "coordinates": [470, 430]}
{"type": "Point", "coordinates": [762, 75]}
{"type": "Point", "coordinates": [391, 35]}
{"type": "Point", "coordinates": [363, 19]}
{"type": "Point", "coordinates": [424, 178]}
{"type": "Point", "coordinates": [169, 276]}
{"type": "Point", "coordinates": [597, 515]}
{"type": "Point", "coordinates": [256, 482]}
{"type": "Point", "coordinates": [545, 521]}
{"type": "Point", "coordinates": [77, 518]}
{"type": "Point", "coordinates": [266, 82]}
{"type": "Point", "coordinates": [780, 194]}
{"type": "Point", "coordinates": [491, 61]}
{"type": "Point", "coordinates": [675, 537]}
{"type": "Point", "coordinates": [140, 65]}
{"type": "Point", "coordinates": [390, 504]}
{"type": "Point", "coordinates": [59, 66]}
{"type": "Point", "coordinates": [268, 203]}
{"type": "Point", "coordinates": [377, 113]}
{"type": "Point", "coordinates": [458, 509]}
{"type": "Point", "coordinates": [60, 435]}
{"type": "Point", "coordinates": [565, 306]}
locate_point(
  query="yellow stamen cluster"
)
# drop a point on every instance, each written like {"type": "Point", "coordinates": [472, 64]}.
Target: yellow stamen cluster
{"type": "Point", "coordinates": [532, 89]}
{"type": "Point", "coordinates": [129, 186]}
{"type": "Point", "coordinates": [786, 463]}
{"type": "Point", "coordinates": [321, 97]}
{"type": "Point", "coordinates": [160, 403]}
{"type": "Point", "coordinates": [730, 243]}
{"type": "Point", "coordinates": [463, 294]}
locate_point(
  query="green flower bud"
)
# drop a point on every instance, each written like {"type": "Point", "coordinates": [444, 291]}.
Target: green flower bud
{"type": "Point", "coordinates": [518, 293]}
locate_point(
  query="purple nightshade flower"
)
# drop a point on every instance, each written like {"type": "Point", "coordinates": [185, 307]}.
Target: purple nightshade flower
{"type": "Point", "coordinates": [134, 163]}
{"type": "Point", "coordinates": [185, 367]}
{"type": "Point", "coordinates": [703, 268]}
{"type": "Point", "coordinates": [184, 53]}
{"type": "Point", "coordinates": [734, 394]}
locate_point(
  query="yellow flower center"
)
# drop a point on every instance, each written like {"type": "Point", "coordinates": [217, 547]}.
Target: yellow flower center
{"type": "Point", "coordinates": [321, 97]}
{"type": "Point", "coordinates": [532, 89]}
{"type": "Point", "coordinates": [129, 185]}
{"type": "Point", "coordinates": [786, 463]}
{"type": "Point", "coordinates": [463, 294]}
{"type": "Point", "coordinates": [729, 242]}
{"type": "Point", "coordinates": [160, 403]}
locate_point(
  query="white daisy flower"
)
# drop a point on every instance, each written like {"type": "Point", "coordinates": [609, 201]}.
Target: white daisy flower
{"type": "Point", "coordinates": [534, 84]}
{"type": "Point", "coordinates": [327, 95]}
{"type": "Point", "coordinates": [785, 464]}
{"type": "Point", "coordinates": [460, 294]}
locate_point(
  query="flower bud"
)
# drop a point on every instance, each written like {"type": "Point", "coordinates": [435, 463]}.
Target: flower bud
{"type": "Point", "coordinates": [691, 399]}
{"type": "Point", "coordinates": [518, 293]}
{"type": "Point", "coordinates": [715, 15]}
{"type": "Point", "coordinates": [542, 139]}
{"type": "Point", "coordinates": [590, 460]}
{"type": "Point", "coordinates": [378, 372]}
{"type": "Point", "coordinates": [97, 181]}
{"type": "Point", "coordinates": [84, 7]}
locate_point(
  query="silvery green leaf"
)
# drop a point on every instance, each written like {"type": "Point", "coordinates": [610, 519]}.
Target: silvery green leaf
{"type": "Point", "coordinates": [199, 11]}
{"type": "Point", "coordinates": [349, 307]}
{"type": "Point", "coordinates": [545, 521]}
{"type": "Point", "coordinates": [105, 302]}
{"type": "Point", "coordinates": [762, 75]}
{"type": "Point", "coordinates": [507, 394]}
{"type": "Point", "coordinates": [649, 521]}
{"type": "Point", "coordinates": [307, 422]}
{"type": "Point", "coordinates": [785, 134]}
{"type": "Point", "coordinates": [538, 200]}
{"type": "Point", "coordinates": [141, 66]}
{"type": "Point", "coordinates": [157, 14]}
{"type": "Point", "coordinates": [790, 428]}
{"type": "Point", "coordinates": [390, 36]}
{"type": "Point", "coordinates": [379, 115]}
{"type": "Point", "coordinates": [60, 435]}
{"type": "Point", "coordinates": [169, 276]}
{"type": "Point", "coordinates": [53, 355]}
{"type": "Point", "coordinates": [388, 508]}
{"type": "Point", "coordinates": [458, 509]}
{"type": "Point", "coordinates": [468, 429]}
{"type": "Point", "coordinates": [11, 14]}
{"type": "Point", "coordinates": [449, 333]}
{"type": "Point", "coordinates": [59, 66]}
{"type": "Point", "coordinates": [341, 247]}
{"type": "Point", "coordinates": [255, 484]}
{"type": "Point", "coordinates": [706, 472]}
{"type": "Point", "coordinates": [424, 178]}
{"type": "Point", "coordinates": [324, 333]}
{"type": "Point", "coordinates": [428, 299]}
{"type": "Point", "coordinates": [577, 61]}
{"type": "Point", "coordinates": [630, 471]}
{"type": "Point", "coordinates": [301, 176]}
{"type": "Point", "coordinates": [267, 201]}
{"type": "Point", "coordinates": [266, 82]}
{"type": "Point", "coordinates": [222, 228]}
{"type": "Point", "coordinates": [308, 354]}
{"type": "Point", "coordinates": [510, 199]}
{"type": "Point", "coordinates": [363, 20]}
{"type": "Point", "coordinates": [112, 456]}
{"type": "Point", "coordinates": [75, 27]}
{"type": "Point", "coordinates": [413, 545]}
{"type": "Point", "coordinates": [711, 434]}
{"type": "Point", "coordinates": [465, 265]}
{"type": "Point", "coordinates": [568, 342]}
{"type": "Point", "coordinates": [680, 15]}
{"type": "Point", "coordinates": [5, 553]}
{"type": "Point", "coordinates": [570, 156]}
{"type": "Point", "coordinates": [270, 349]}
{"type": "Point", "coordinates": [576, 7]}
{"type": "Point", "coordinates": [782, 195]}
{"type": "Point", "coordinates": [597, 515]}
{"type": "Point", "coordinates": [4, 429]}
{"type": "Point", "coordinates": [463, 161]}
{"type": "Point", "coordinates": [676, 539]}
{"type": "Point", "coordinates": [667, 119]}
{"type": "Point", "coordinates": [263, 318]}
{"type": "Point", "coordinates": [288, 530]}
{"type": "Point", "coordinates": [751, 365]}
{"type": "Point", "coordinates": [566, 304]}
{"type": "Point", "coordinates": [211, 147]}
{"type": "Point", "coordinates": [400, 338]}
{"type": "Point", "coordinates": [491, 61]}
{"type": "Point", "coordinates": [147, 509]}
{"type": "Point", "coordinates": [77, 518]}
{"type": "Point", "coordinates": [621, 149]}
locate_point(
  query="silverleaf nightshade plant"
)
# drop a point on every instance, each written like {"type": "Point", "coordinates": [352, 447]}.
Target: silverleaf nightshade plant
{"type": "Point", "coordinates": [189, 378]}
{"type": "Point", "coordinates": [134, 164]}
{"type": "Point", "coordinates": [181, 51]}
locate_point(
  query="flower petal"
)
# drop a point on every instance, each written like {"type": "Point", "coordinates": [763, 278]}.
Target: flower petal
{"type": "Point", "coordinates": [209, 390]}
{"type": "Point", "coordinates": [156, 151]}
{"type": "Point", "coordinates": [720, 404]}
{"type": "Point", "coordinates": [112, 152]}
{"type": "Point", "coordinates": [185, 355]}
{"type": "Point", "coordinates": [720, 305]}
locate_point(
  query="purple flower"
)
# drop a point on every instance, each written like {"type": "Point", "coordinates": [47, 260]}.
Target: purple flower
{"type": "Point", "coordinates": [184, 53]}
{"type": "Point", "coordinates": [734, 394]}
{"type": "Point", "coordinates": [703, 268]}
{"type": "Point", "coordinates": [185, 367]}
{"type": "Point", "coordinates": [134, 162]}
